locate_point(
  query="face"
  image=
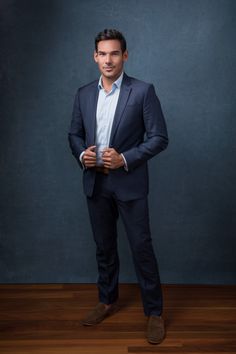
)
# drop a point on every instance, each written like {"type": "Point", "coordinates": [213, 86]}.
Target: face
{"type": "Point", "coordinates": [110, 58]}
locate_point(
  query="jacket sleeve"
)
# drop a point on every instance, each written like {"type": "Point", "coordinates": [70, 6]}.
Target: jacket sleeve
{"type": "Point", "coordinates": [76, 133]}
{"type": "Point", "coordinates": [156, 136]}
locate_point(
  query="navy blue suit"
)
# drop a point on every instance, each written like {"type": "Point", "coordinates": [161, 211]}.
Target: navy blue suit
{"type": "Point", "coordinates": [139, 132]}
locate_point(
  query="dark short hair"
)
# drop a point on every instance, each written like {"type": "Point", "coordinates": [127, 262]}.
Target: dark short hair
{"type": "Point", "coordinates": [110, 34]}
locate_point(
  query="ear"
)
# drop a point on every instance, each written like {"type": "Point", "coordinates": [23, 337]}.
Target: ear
{"type": "Point", "coordinates": [125, 56]}
{"type": "Point", "coordinates": [95, 56]}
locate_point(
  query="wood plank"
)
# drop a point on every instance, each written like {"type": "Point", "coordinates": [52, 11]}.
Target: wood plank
{"type": "Point", "coordinates": [45, 318]}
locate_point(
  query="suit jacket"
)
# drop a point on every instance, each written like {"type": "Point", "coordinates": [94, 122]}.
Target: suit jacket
{"type": "Point", "coordinates": [138, 131]}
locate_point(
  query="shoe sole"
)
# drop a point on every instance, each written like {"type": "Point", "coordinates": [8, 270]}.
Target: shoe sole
{"type": "Point", "coordinates": [154, 341]}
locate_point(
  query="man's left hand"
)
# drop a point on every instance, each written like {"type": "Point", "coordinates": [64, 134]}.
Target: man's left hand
{"type": "Point", "coordinates": [112, 159]}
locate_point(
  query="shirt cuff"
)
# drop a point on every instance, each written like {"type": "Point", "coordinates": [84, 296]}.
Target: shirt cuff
{"type": "Point", "coordinates": [125, 163]}
{"type": "Point", "coordinates": [81, 159]}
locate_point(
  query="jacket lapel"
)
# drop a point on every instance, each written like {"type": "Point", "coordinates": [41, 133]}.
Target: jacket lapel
{"type": "Point", "coordinates": [122, 101]}
{"type": "Point", "coordinates": [93, 107]}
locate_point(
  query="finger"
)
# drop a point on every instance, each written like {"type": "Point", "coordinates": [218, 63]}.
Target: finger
{"type": "Point", "coordinates": [108, 151]}
{"type": "Point", "coordinates": [90, 156]}
{"type": "Point", "coordinates": [109, 154]}
{"type": "Point", "coordinates": [90, 162]}
{"type": "Point", "coordinates": [105, 154]}
{"type": "Point", "coordinates": [106, 159]}
{"type": "Point", "coordinates": [90, 165]}
{"type": "Point", "coordinates": [105, 150]}
{"type": "Point", "coordinates": [90, 153]}
{"type": "Point", "coordinates": [107, 165]}
{"type": "Point", "coordinates": [91, 148]}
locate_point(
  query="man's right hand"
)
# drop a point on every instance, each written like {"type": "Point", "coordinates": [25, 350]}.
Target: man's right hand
{"type": "Point", "coordinates": [89, 157]}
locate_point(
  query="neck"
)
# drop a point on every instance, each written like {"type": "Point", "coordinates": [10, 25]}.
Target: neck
{"type": "Point", "coordinates": [107, 82]}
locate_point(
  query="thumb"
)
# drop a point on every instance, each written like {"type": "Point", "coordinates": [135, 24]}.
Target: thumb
{"type": "Point", "coordinates": [92, 148]}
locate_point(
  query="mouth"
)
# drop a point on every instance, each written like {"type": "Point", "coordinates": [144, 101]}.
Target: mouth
{"type": "Point", "coordinates": [109, 68]}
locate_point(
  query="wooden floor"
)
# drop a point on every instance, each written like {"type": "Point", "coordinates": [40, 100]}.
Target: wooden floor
{"type": "Point", "coordinates": [45, 319]}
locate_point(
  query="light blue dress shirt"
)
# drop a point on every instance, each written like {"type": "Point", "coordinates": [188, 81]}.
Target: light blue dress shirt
{"type": "Point", "coordinates": [106, 107]}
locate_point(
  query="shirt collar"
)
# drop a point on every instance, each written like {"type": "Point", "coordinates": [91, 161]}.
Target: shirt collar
{"type": "Point", "coordinates": [116, 83]}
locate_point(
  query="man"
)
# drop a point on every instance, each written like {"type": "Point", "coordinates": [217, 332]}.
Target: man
{"type": "Point", "coordinates": [117, 126]}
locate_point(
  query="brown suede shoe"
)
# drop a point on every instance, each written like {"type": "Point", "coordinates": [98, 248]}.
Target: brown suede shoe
{"type": "Point", "coordinates": [155, 330]}
{"type": "Point", "coordinates": [98, 314]}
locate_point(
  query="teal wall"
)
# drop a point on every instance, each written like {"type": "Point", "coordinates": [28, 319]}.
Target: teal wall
{"type": "Point", "coordinates": [186, 48]}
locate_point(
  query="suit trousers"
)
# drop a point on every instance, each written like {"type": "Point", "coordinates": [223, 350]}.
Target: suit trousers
{"type": "Point", "coordinates": [104, 209]}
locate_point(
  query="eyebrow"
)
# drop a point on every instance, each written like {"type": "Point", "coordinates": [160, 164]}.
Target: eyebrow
{"type": "Point", "coordinates": [113, 52]}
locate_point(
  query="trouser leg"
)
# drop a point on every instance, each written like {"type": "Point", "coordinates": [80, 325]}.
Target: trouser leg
{"type": "Point", "coordinates": [136, 221]}
{"type": "Point", "coordinates": [103, 216]}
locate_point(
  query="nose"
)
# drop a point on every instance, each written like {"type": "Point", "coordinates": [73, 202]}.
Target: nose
{"type": "Point", "coordinates": [108, 58]}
